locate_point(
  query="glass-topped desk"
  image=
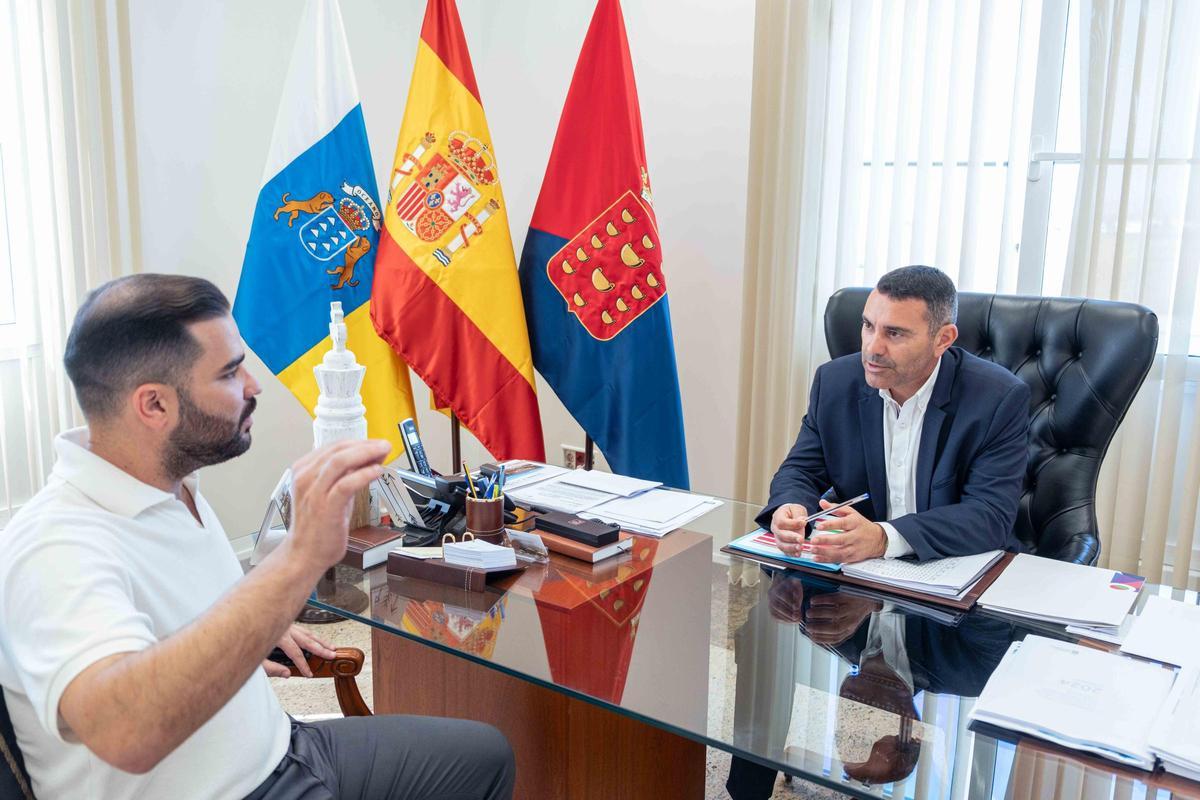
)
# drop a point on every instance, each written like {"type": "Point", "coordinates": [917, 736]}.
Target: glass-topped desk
{"type": "Point", "coordinates": [609, 679]}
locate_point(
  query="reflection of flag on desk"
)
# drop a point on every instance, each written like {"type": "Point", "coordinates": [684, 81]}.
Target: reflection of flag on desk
{"type": "Point", "coordinates": [590, 614]}
{"type": "Point", "coordinates": [591, 270]}
{"type": "Point", "coordinates": [315, 232]}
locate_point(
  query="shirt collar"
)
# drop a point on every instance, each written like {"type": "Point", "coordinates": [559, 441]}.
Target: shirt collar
{"type": "Point", "coordinates": [921, 398]}
{"type": "Point", "coordinates": [105, 483]}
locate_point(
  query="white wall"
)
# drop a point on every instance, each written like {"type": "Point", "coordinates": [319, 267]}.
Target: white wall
{"type": "Point", "coordinates": [206, 83]}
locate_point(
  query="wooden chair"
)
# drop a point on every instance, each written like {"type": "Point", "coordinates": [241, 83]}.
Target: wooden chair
{"type": "Point", "coordinates": [14, 779]}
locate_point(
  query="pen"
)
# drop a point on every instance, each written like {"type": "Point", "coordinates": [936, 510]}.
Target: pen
{"type": "Point", "coordinates": [828, 512]}
{"type": "Point", "coordinates": [470, 481]}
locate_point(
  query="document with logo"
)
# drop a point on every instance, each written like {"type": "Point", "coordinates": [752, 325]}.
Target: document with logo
{"type": "Point", "coordinates": [1038, 588]}
{"type": "Point", "coordinates": [1077, 697]}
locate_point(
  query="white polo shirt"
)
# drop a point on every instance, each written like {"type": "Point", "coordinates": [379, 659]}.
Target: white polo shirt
{"type": "Point", "coordinates": [99, 563]}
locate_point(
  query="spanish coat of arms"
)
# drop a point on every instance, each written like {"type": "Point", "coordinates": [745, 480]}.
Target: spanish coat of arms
{"type": "Point", "coordinates": [438, 196]}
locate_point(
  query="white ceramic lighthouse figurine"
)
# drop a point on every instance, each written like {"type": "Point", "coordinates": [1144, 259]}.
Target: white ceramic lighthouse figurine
{"type": "Point", "coordinates": [340, 412]}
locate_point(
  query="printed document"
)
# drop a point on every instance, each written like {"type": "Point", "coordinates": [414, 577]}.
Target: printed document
{"type": "Point", "coordinates": [1077, 697]}
{"type": "Point", "coordinates": [559, 496]}
{"type": "Point", "coordinates": [944, 577]}
{"type": "Point", "coordinates": [519, 474]}
{"type": "Point", "coordinates": [1058, 591]}
{"type": "Point", "coordinates": [620, 485]}
{"type": "Point", "coordinates": [1166, 630]}
{"type": "Point", "coordinates": [1175, 737]}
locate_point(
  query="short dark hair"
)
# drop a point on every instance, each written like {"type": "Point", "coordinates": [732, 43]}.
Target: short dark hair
{"type": "Point", "coordinates": [923, 283]}
{"type": "Point", "coordinates": [133, 330]}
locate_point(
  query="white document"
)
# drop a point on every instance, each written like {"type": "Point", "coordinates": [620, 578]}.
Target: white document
{"type": "Point", "coordinates": [620, 485]}
{"type": "Point", "coordinates": [559, 496]}
{"type": "Point", "coordinates": [1104, 634]}
{"type": "Point", "coordinates": [1166, 630]}
{"type": "Point", "coordinates": [519, 474]}
{"type": "Point", "coordinates": [945, 577]}
{"type": "Point", "coordinates": [693, 509]}
{"type": "Point", "coordinates": [1175, 737]}
{"type": "Point", "coordinates": [658, 505]}
{"type": "Point", "coordinates": [1078, 697]}
{"type": "Point", "coordinates": [1064, 593]}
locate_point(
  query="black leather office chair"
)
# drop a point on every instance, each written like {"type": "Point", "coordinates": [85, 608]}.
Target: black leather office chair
{"type": "Point", "coordinates": [1084, 361]}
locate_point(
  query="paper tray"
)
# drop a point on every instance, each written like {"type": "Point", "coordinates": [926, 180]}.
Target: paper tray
{"type": "Point", "coordinates": [966, 603]}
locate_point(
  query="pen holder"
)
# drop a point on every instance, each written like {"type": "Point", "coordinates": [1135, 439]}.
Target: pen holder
{"type": "Point", "coordinates": [485, 519]}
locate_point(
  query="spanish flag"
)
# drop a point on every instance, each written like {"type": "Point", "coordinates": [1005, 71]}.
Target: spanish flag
{"type": "Point", "coordinates": [446, 295]}
{"type": "Point", "coordinates": [315, 234]}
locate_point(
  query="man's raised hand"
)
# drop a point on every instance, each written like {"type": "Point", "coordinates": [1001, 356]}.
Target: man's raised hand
{"type": "Point", "coordinates": [324, 483]}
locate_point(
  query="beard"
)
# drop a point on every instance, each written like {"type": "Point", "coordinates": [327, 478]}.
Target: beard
{"type": "Point", "coordinates": [202, 439]}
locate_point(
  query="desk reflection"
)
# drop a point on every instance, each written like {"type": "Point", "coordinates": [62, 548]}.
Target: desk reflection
{"type": "Point", "coordinates": [855, 717]}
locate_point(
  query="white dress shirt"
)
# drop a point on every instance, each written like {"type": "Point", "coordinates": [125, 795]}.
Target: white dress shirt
{"type": "Point", "coordinates": [902, 425]}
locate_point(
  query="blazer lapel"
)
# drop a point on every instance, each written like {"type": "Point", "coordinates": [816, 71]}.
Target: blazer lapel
{"type": "Point", "coordinates": [870, 423]}
{"type": "Point", "coordinates": [931, 428]}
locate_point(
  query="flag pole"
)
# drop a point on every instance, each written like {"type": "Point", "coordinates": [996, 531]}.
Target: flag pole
{"type": "Point", "coordinates": [455, 444]}
{"type": "Point", "coordinates": [589, 452]}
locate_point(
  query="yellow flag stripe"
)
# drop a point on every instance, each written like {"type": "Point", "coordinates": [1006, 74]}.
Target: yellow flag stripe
{"type": "Point", "coordinates": [386, 389]}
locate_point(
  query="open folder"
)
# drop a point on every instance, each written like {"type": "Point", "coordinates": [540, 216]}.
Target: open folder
{"type": "Point", "coordinates": [956, 582]}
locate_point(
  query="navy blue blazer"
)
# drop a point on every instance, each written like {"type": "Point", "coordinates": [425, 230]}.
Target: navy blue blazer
{"type": "Point", "coordinates": [970, 463]}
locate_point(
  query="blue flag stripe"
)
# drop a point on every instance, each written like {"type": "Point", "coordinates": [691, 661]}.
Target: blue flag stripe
{"type": "Point", "coordinates": [623, 392]}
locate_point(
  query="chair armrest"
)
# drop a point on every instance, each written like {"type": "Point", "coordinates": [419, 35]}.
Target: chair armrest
{"type": "Point", "coordinates": [342, 668]}
{"type": "Point", "coordinates": [1079, 548]}
{"type": "Point", "coordinates": [347, 663]}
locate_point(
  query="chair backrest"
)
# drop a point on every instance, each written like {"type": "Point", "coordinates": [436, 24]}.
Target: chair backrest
{"type": "Point", "coordinates": [1084, 361]}
{"type": "Point", "coordinates": [14, 780]}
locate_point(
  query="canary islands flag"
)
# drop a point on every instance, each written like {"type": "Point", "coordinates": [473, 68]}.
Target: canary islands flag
{"type": "Point", "coordinates": [446, 295]}
{"type": "Point", "coordinates": [315, 234]}
{"type": "Point", "coordinates": [592, 270]}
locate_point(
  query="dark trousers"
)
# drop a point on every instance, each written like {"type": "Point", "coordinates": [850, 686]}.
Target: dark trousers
{"type": "Point", "coordinates": [750, 781]}
{"type": "Point", "coordinates": [392, 757]}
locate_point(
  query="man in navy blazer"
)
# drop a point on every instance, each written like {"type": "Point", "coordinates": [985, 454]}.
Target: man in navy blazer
{"type": "Point", "coordinates": [936, 435]}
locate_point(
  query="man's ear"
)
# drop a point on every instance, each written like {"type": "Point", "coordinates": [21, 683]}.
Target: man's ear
{"type": "Point", "coordinates": [155, 405]}
{"type": "Point", "coordinates": [946, 336]}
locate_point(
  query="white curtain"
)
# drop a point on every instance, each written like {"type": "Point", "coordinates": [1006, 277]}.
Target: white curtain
{"type": "Point", "coordinates": [882, 134]}
{"type": "Point", "coordinates": [1136, 236]}
{"type": "Point", "coordinates": [69, 221]}
{"type": "Point", "coordinates": [893, 133]}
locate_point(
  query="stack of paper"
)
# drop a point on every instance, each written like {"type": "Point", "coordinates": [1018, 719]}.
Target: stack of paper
{"type": "Point", "coordinates": [944, 577]}
{"type": "Point", "coordinates": [1167, 631]}
{"type": "Point", "coordinates": [558, 495]}
{"type": "Point", "coordinates": [1077, 697]}
{"type": "Point", "coordinates": [1175, 737]}
{"type": "Point", "coordinates": [654, 513]}
{"type": "Point", "coordinates": [478, 554]}
{"type": "Point", "coordinates": [619, 485]}
{"type": "Point", "coordinates": [1060, 592]}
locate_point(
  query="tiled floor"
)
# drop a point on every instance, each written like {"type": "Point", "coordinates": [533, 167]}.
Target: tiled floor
{"type": "Point", "coordinates": [310, 697]}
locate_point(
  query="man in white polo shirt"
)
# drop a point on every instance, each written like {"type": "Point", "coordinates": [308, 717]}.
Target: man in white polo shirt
{"type": "Point", "coordinates": [131, 645]}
